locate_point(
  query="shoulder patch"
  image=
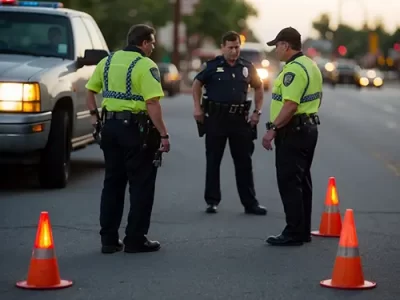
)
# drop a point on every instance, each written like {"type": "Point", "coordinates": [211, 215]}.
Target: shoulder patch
{"type": "Point", "coordinates": [156, 74]}
{"type": "Point", "coordinates": [288, 78]}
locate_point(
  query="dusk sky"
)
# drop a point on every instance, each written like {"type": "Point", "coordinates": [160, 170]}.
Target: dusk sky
{"type": "Point", "coordinates": [277, 14]}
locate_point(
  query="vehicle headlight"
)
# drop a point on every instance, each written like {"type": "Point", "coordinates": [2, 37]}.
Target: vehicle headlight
{"type": "Point", "coordinates": [19, 97]}
{"type": "Point", "coordinates": [364, 81]}
{"type": "Point", "coordinates": [378, 81]}
{"type": "Point", "coordinates": [262, 73]}
{"type": "Point", "coordinates": [329, 67]}
{"type": "Point", "coordinates": [371, 74]}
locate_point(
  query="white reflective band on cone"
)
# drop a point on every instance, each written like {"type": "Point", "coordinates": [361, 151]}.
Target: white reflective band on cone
{"type": "Point", "coordinates": [348, 252]}
{"type": "Point", "coordinates": [43, 253]}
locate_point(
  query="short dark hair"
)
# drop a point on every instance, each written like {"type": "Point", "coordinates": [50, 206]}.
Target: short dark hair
{"type": "Point", "coordinates": [137, 34]}
{"type": "Point", "coordinates": [230, 36]}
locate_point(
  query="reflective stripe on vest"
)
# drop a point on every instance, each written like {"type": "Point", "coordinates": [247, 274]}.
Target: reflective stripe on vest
{"type": "Point", "coordinates": [119, 95]}
{"type": "Point", "coordinates": [304, 98]}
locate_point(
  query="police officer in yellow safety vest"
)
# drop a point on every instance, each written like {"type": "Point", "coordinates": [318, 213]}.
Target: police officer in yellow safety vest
{"type": "Point", "coordinates": [132, 133]}
{"type": "Point", "coordinates": [296, 97]}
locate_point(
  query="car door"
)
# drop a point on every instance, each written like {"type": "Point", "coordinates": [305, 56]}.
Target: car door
{"type": "Point", "coordinates": [82, 42]}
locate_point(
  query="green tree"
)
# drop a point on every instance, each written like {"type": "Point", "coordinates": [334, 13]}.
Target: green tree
{"type": "Point", "coordinates": [213, 18]}
{"type": "Point", "coordinates": [323, 26]}
{"type": "Point", "coordinates": [356, 41]}
{"type": "Point", "coordinates": [115, 17]}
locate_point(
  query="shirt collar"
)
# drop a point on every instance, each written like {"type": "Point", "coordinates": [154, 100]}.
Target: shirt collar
{"type": "Point", "coordinates": [294, 57]}
{"type": "Point", "coordinates": [239, 61]}
{"type": "Point", "coordinates": [134, 49]}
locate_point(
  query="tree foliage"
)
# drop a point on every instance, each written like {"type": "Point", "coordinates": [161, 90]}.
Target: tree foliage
{"type": "Point", "coordinates": [213, 18]}
{"type": "Point", "coordinates": [323, 26]}
{"type": "Point", "coordinates": [356, 40]}
{"type": "Point", "coordinates": [115, 17]}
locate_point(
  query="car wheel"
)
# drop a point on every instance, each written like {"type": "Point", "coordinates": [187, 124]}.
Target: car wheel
{"type": "Point", "coordinates": [55, 159]}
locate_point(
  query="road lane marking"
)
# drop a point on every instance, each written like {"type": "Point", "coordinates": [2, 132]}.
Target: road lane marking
{"type": "Point", "coordinates": [391, 125]}
{"type": "Point", "coordinates": [389, 108]}
{"type": "Point", "coordinates": [390, 165]}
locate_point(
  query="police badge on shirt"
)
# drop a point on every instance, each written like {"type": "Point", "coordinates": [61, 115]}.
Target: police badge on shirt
{"type": "Point", "coordinates": [245, 72]}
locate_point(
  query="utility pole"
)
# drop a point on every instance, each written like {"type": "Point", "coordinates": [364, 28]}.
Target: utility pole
{"type": "Point", "coordinates": [177, 20]}
{"type": "Point", "coordinates": [339, 16]}
{"type": "Point", "coordinates": [339, 22]}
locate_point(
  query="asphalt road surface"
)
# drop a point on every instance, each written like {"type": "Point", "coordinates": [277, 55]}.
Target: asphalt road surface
{"type": "Point", "coordinates": [221, 256]}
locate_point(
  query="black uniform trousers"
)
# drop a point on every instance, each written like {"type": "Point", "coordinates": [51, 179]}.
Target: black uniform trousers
{"type": "Point", "coordinates": [126, 161]}
{"type": "Point", "coordinates": [220, 128]}
{"type": "Point", "coordinates": [294, 153]}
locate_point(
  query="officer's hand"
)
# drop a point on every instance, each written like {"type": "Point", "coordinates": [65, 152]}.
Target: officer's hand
{"type": "Point", "coordinates": [165, 146]}
{"type": "Point", "coordinates": [267, 139]}
{"type": "Point", "coordinates": [198, 115]}
{"type": "Point", "coordinates": [254, 119]}
{"type": "Point", "coordinates": [93, 120]}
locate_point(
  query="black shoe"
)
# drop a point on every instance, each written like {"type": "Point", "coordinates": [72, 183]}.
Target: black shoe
{"type": "Point", "coordinates": [146, 246]}
{"type": "Point", "coordinates": [110, 249]}
{"type": "Point", "coordinates": [307, 239]}
{"type": "Point", "coordinates": [211, 209]}
{"type": "Point", "coordinates": [284, 240]}
{"type": "Point", "coordinates": [256, 210]}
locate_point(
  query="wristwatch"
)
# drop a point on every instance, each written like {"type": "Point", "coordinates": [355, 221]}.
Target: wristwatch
{"type": "Point", "coordinates": [256, 111]}
{"type": "Point", "coordinates": [271, 126]}
{"type": "Point", "coordinates": [93, 112]}
{"type": "Point", "coordinates": [165, 137]}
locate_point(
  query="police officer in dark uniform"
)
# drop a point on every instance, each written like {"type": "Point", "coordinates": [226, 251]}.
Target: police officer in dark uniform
{"type": "Point", "coordinates": [131, 138]}
{"type": "Point", "coordinates": [224, 113]}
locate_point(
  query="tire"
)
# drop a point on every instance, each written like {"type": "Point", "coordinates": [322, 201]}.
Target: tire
{"type": "Point", "coordinates": [171, 92]}
{"type": "Point", "coordinates": [55, 159]}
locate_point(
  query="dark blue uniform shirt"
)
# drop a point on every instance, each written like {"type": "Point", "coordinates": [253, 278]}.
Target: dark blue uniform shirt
{"type": "Point", "coordinates": [228, 84]}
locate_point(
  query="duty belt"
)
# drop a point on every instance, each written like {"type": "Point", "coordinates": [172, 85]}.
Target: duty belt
{"type": "Point", "coordinates": [299, 120]}
{"type": "Point", "coordinates": [124, 115]}
{"type": "Point", "coordinates": [234, 109]}
{"type": "Point", "coordinates": [304, 119]}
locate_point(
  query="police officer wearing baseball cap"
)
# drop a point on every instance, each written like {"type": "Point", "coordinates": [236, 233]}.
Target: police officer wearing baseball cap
{"type": "Point", "coordinates": [296, 97]}
{"type": "Point", "coordinates": [289, 35]}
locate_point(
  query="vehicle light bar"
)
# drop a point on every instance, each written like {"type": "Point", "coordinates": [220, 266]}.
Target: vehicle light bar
{"type": "Point", "coordinates": [31, 3]}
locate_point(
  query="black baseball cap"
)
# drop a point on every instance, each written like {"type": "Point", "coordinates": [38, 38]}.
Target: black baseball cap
{"type": "Point", "coordinates": [288, 34]}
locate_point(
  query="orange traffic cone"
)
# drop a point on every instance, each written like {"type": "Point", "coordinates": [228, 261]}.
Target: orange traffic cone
{"type": "Point", "coordinates": [347, 271]}
{"type": "Point", "coordinates": [43, 269]}
{"type": "Point", "coordinates": [331, 222]}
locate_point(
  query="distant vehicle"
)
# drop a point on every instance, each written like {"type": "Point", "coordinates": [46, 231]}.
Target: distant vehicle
{"type": "Point", "coordinates": [369, 78]}
{"type": "Point", "coordinates": [256, 54]}
{"type": "Point", "coordinates": [170, 78]}
{"type": "Point", "coordinates": [47, 55]}
{"type": "Point", "coordinates": [328, 70]}
{"type": "Point", "coordinates": [348, 71]}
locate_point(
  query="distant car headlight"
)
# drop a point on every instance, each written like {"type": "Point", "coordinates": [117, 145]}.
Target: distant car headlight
{"type": "Point", "coordinates": [329, 67]}
{"type": "Point", "coordinates": [371, 73]}
{"type": "Point", "coordinates": [19, 97]}
{"type": "Point", "coordinates": [262, 73]}
{"type": "Point", "coordinates": [378, 81]}
{"type": "Point", "coordinates": [364, 81]}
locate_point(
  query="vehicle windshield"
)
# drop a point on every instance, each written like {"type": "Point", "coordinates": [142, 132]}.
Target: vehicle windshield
{"type": "Point", "coordinates": [35, 34]}
{"type": "Point", "coordinates": [255, 57]}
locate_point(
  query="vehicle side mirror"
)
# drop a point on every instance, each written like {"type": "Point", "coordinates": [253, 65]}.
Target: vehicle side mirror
{"type": "Point", "coordinates": [92, 57]}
